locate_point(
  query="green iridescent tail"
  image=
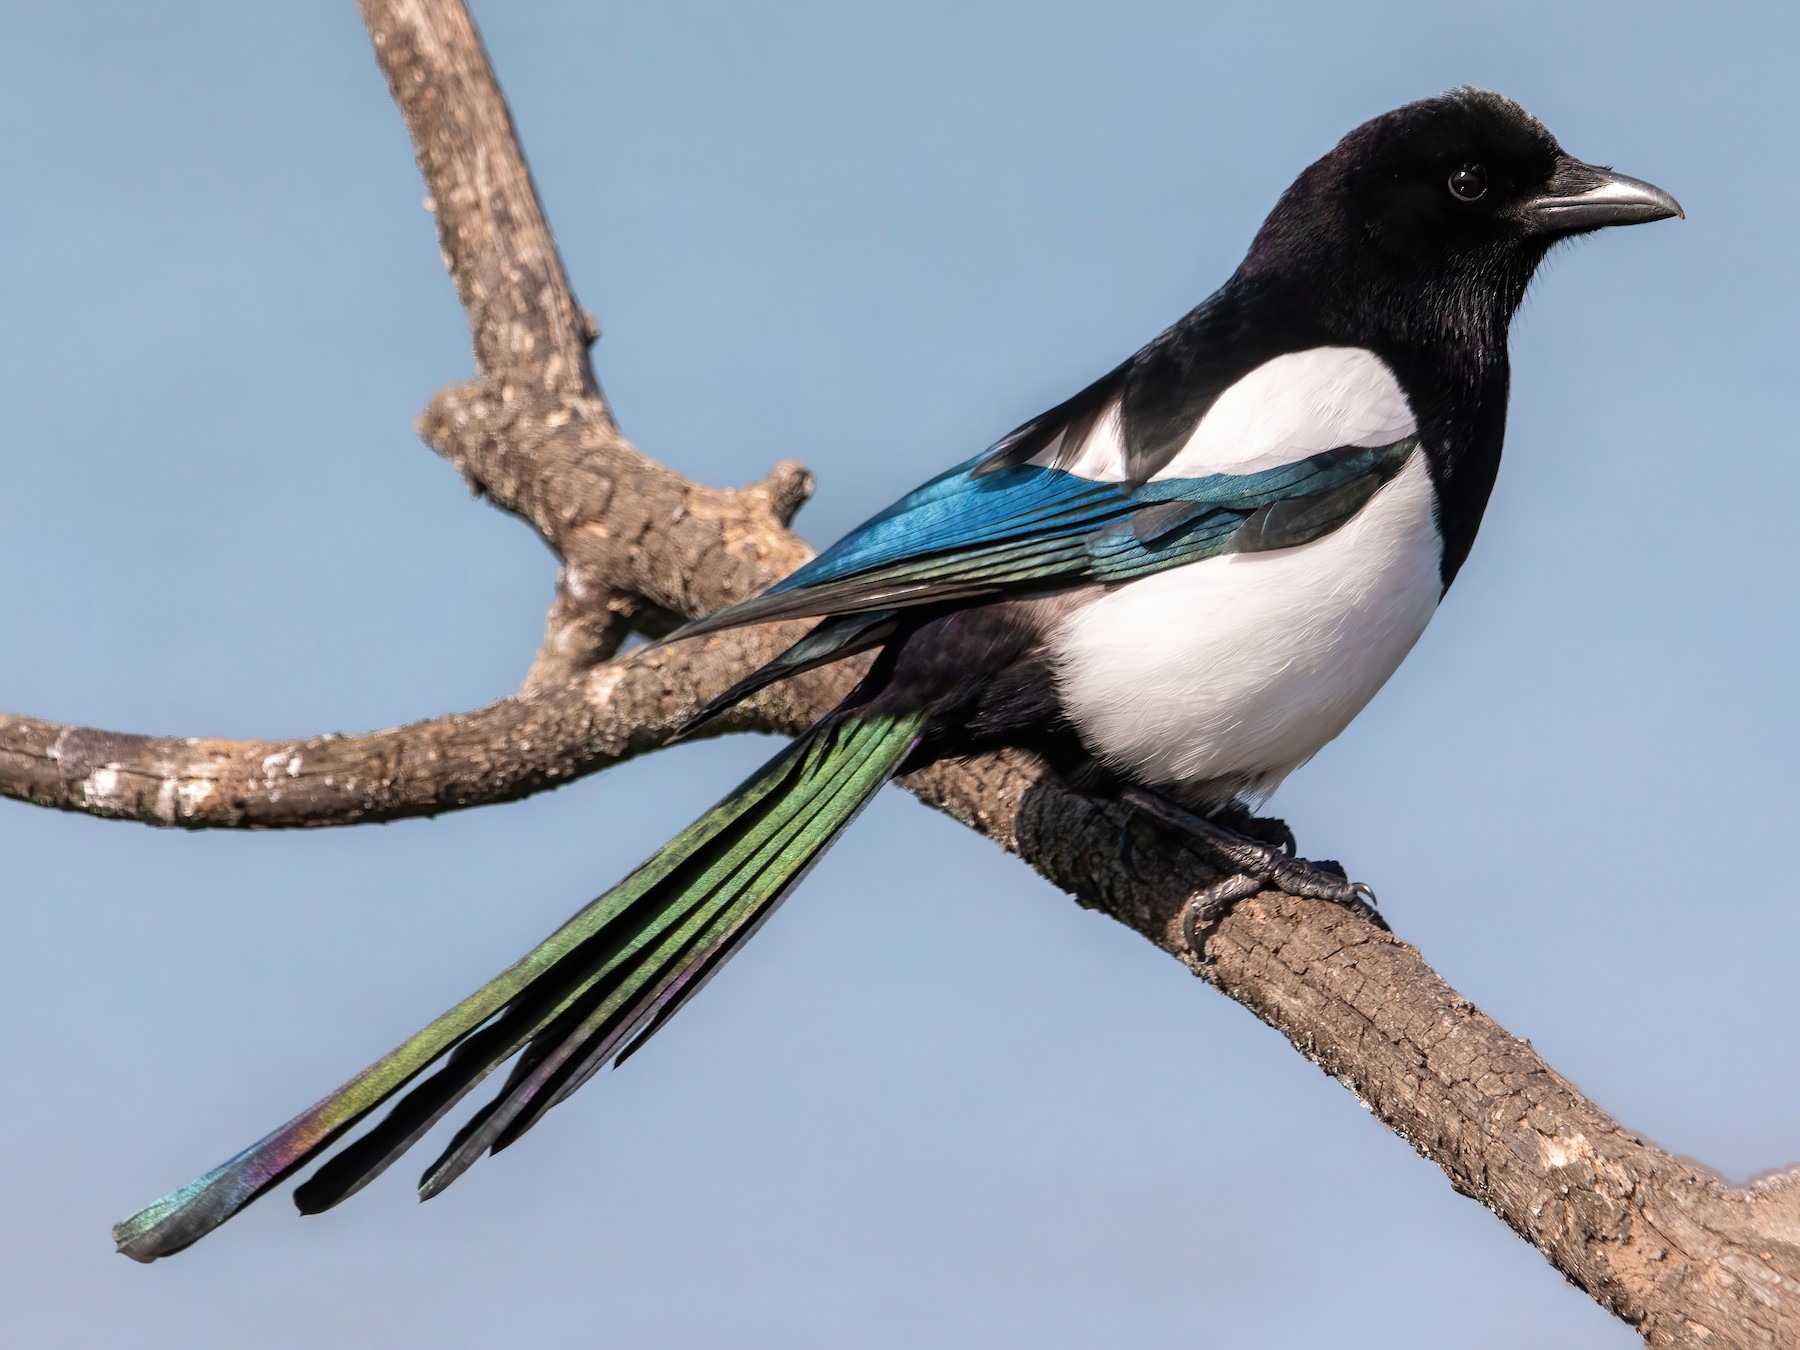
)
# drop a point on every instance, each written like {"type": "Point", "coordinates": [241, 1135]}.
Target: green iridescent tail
{"type": "Point", "coordinates": [619, 969]}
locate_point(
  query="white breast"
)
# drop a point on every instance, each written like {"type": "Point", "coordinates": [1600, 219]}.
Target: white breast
{"type": "Point", "coordinates": [1236, 670]}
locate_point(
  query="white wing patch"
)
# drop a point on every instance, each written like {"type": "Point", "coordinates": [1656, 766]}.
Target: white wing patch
{"type": "Point", "coordinates": [1294, 406]}
{"type": "Point", "coordinates": [1287, 408]}
{"type": "Point", "coordinates": [1099, 455]}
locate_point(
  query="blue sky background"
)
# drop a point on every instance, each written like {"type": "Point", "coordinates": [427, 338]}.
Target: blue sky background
{"type": "Point", "coordinates": [937, 1104]}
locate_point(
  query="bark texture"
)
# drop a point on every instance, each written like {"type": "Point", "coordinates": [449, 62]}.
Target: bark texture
{"type": "Point", "coordinates": [1672, 1249]}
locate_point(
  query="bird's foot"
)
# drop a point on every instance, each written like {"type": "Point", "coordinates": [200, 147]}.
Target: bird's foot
{"type": "Point", "coordinates": [1256, 864]}
{"type": "Point", "coordinates": [1270, 830]}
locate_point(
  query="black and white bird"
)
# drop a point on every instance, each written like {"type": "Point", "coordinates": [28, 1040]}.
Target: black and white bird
{"type": "Point", "coordinates": [1175, 587]}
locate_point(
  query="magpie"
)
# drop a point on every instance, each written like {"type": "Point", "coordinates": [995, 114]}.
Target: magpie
{"type": "Point", "coordinates": [1175, 587]}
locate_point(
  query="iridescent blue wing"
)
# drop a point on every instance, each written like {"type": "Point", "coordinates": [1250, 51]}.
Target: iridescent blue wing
{"type": "Point", "coordinates": [980, 531]}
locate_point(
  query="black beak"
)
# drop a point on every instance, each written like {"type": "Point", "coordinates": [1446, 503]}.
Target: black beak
{"type": "Point", "coordinates": [1588, 197]}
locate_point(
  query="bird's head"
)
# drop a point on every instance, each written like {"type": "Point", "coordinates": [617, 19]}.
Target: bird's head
{"type": "Point", "coordinates": [1432, 218]}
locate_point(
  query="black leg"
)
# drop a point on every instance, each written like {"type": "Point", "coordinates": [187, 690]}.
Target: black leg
{"type": "Point", "coordinates": [1256, 864]}
{"type": "Point", "coordinates": [1265, 829]}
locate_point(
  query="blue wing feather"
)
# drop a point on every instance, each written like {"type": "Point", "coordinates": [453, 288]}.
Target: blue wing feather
{"type": "Point", "coordinates": [973, 531]}
{"type": "Point", "coordinates": [959, 511]}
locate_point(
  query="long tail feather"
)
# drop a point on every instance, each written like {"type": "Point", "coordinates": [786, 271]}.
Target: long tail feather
{"type": "Point", "coordinates": [620, 968]}
{"type": "Point", "coordinates": [740, 890]}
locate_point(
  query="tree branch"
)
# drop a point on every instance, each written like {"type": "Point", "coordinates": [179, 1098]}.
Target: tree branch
{"type": "Point", "coordinates": [1662, 1243]}
{"type": "Point", "coordinates": [510, 749]}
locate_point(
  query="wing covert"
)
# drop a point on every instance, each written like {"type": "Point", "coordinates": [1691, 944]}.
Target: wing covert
{"type": "Point", "coordinates": [978, 531]}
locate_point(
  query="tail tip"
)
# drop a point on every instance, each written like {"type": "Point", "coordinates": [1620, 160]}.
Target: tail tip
{"type": "Point", "coordinates": [125, 1245]}
{"type": "Point", "coordinates": [143, 1237]}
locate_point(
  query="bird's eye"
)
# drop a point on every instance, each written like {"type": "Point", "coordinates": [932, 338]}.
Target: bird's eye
{"type": "Point", "coordinates": [1469, 183]}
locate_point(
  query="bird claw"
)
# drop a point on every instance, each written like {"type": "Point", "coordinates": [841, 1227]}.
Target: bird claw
{"type": "Point", "coordinates": [1256, 865]}
{"type": "Point", "coordinates": [1207, 906]}
{"type": "Point", "coordinates": [1361, 902]}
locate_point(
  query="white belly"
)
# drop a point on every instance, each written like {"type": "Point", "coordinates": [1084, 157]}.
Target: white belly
{"type": "Point", "coordinates": [1237, 670]}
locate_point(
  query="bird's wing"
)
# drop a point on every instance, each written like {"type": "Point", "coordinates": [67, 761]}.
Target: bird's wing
{"type": "Point", "coordinates": [978, 531]}
{"type": "Point", "coordinates": [1058, 436]}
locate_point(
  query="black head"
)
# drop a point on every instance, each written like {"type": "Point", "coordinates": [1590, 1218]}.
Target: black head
{"type": "Point", "coordinates": [1426, 223]}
